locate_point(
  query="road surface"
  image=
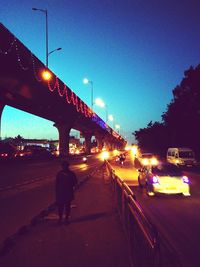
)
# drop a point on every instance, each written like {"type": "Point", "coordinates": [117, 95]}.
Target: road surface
{"type": "Point", "coordinates": [176, 217]}
{"type": "Point", "coordinates": [27, 188]}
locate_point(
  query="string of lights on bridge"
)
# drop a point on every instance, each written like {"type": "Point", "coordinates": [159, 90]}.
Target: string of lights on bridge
{"type": "Point", "coordinates": [65, 92]}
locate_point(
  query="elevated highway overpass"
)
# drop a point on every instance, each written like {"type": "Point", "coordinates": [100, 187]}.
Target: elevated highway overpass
{"type": "Point", "coordinates": [22, 86]}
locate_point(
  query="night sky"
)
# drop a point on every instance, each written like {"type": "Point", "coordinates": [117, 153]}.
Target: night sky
{"type": "Point", "coordinates": [134, 51]}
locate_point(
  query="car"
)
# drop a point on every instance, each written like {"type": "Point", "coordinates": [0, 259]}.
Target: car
{"type": "Point", "coordinates": [148, 159]}
{"type": "Point", "coordinates": [7, 150]}
{"type": "Point", "coordinates": [163, 178]}
{"type": "Point", "coordinates": [37, 152]}
{"type": "Point", "coordinates": [181, 156]}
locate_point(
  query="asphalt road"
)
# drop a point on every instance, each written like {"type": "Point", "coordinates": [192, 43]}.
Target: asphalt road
{"type": "Point", "coordinates": [176, 217]}
{"type": "Point", "coordinates": [27, 188]}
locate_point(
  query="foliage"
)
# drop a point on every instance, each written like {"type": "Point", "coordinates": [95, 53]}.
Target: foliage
{"type": "Point", "coordinates": [18, 140]}
{"type": "Point", "coordinates": [180, 124]}
{"type": "Point", "coordinates": [151, 138]}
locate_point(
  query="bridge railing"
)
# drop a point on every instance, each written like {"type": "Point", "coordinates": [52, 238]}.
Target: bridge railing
{"type": "Point", "coordinates": [146, 246]}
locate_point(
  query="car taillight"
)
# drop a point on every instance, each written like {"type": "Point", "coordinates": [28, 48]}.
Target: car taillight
{"type": "Point", "coordinates": [4, 155]}
{"type": "Point", "coordinates": [155, 180]}
{"type": "Point", "coordinates": [185, 180]}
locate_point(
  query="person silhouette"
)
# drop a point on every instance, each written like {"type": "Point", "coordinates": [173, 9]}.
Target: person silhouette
{"type": "Point", "coordinates": [66, 181]}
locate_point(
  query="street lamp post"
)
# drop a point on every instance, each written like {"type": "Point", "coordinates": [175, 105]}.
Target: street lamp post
{"type": "Point", "coordinates": [117, 126]}
{"type": "Point", "coordinates": [106, 108]}
{"type": "Point", "coordinates": [86, 81]}
{"type": "Point", "coordinates": [46, 18]}
{"type": "Point", "coordinates": [47, 40]}
{"type": "Point", "coordinates": [111, 118]}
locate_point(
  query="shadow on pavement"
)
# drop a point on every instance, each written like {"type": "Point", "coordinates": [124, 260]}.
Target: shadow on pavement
{"type": "Point", "coordinates": [92, 217]}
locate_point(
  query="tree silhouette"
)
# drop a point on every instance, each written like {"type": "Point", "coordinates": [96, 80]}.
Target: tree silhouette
{"type": "Point", "coordinates": [18, 140]}
{"type": "Point", "coordinates": [180, 124]}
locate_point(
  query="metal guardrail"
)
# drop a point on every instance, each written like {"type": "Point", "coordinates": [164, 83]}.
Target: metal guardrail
{"type": "Point", "coordinates": [147, 248]}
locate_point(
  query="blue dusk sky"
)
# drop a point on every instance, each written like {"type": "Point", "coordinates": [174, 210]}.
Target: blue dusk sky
{"type": "Point", "coordinates": [134, 51]}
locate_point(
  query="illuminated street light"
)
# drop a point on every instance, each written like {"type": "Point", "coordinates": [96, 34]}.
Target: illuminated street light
{"type": "Point", "coordinates": [86, 81]}
{"type": "Point", "coordinates": [111, 118]}
{"type": "Point", "coordinates": [99, 102]}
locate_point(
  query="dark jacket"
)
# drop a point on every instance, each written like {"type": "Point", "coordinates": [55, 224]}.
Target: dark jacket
{"type": "Point", "coordinates": [65, 182]}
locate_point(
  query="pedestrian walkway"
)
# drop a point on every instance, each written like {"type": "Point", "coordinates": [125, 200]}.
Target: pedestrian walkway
{"type": "Point", "coordinates": [94, 236]}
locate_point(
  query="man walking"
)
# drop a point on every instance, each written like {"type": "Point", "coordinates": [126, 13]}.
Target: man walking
{"type": "Point", "coordinates": [65, 183]}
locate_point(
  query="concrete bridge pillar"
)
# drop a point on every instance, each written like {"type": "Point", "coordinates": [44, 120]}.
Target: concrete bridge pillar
{"type": "Point", "coordinates": [108, 143]}
{"type": "Point", "coordinates": [2, 105]}
{"type": "Point", "coordinates": [109, 146]}
{"type": "Point", "coordinates": [88, 137]}
{"type": "Point", "coordinates": [113, 146]}
{"type": "Point", "coordinates": [100, 141]}
{"type": "Point", "coordinates": [64, 131]}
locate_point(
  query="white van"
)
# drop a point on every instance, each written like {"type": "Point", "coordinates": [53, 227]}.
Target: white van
{"type": "Point", "coordinates": [181, 156]}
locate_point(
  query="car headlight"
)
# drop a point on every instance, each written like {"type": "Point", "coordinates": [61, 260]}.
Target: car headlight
{"type": "Point", "coordinates": [145, 161]}
{"type": "Point", "coordinates": [105, 155]}
{"type": "Point", "coordinates": [154, 161]}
